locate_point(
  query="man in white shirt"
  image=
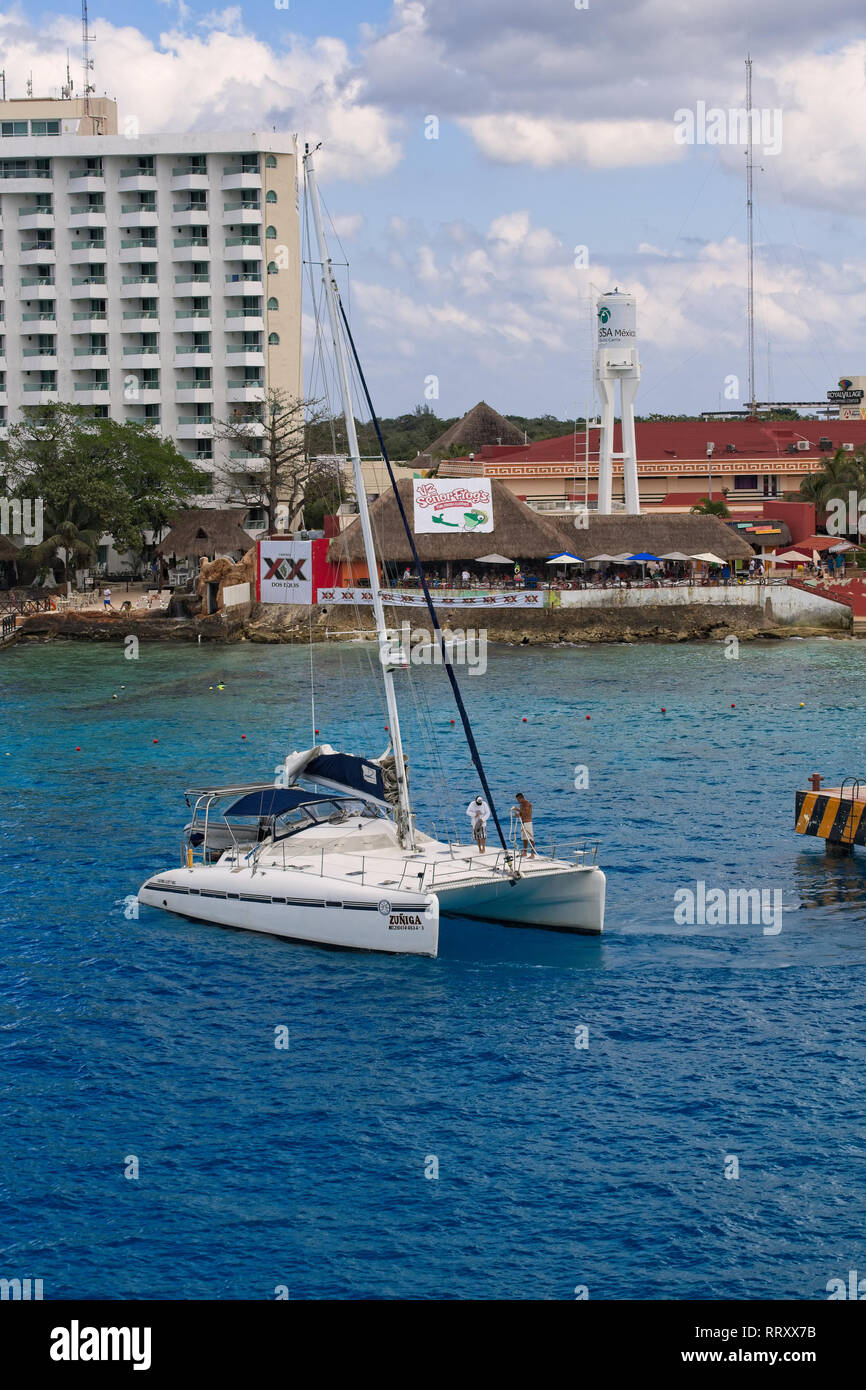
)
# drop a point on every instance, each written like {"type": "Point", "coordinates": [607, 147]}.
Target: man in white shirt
{"type": "Point", "coordinates": [479, 813]}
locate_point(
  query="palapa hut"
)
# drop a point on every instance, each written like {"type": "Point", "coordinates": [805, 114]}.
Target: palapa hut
{"type": "Point", "coordinates": [206, 532]}
{"type": "Point", "coordinates": [518, 533]}
{"type": "Point", "coordinates": [480, 425]}
{"type": "Point", "coordinates": [652, 533]}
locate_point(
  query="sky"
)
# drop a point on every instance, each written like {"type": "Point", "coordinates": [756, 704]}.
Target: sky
{"type": "Point", "coordinates": [490, 166]}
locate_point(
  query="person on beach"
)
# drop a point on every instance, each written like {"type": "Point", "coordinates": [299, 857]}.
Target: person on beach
{"type": "Point", "coordinates": [479, 813]}
{"type": "Point", "coordinates": [523, 808]}
{"type": "Point", "coordinates": [106, 598]}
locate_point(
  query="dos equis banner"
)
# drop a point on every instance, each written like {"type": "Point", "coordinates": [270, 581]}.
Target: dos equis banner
{"type": "Point", "coordinates": [292, 571]}
{"type": "Point", "coordinates": [443, 506]}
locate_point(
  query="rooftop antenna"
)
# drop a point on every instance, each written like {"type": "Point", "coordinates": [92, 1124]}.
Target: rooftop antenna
{"type": "Point", "coordinates": [751, 237]}
{"type": "Point", "coordinates": [3, 82]}
{"type": "Point", "coordinates": [28, 86]}
{"type": "Point", "coordinates": [87, 62]}
{"type": "Point", "coordinates": [67, 90]}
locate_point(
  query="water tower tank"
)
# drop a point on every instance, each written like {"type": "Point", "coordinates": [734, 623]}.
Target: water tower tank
{"type": "Point", "coordinates": [617, 319]}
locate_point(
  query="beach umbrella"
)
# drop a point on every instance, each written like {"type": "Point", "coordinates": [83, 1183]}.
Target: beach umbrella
{"type": "Point", "coordinates": [601, 557]}
{"type": "Point", "coordinates": [644, 556]}
{"type": "Point", "coordinates": [626, 559]}
{"type": "Point", "coordinates": [792, 557]}
{"type": "Point", "coordinates": [565, 557]}
{"type": "Point", "coordinates": [493, 560]}
{"type": "Point", "coordinates": [675, 555]}
{"type": "Point", "coordinates": [708, 558]}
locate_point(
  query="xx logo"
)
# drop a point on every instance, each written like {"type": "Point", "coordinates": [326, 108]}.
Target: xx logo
{"type": "Point", "coordinates": [285, 568]}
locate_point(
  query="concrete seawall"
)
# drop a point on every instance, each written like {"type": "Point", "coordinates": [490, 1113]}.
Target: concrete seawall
{"type": "Point", "coordinates": [776, 602]}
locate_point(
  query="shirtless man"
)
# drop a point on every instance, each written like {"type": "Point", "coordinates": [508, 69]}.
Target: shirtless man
{"type": "Point", "coordinates": [524, 810]}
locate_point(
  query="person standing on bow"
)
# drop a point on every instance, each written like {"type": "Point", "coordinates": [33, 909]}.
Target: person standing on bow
{"type": "Point", "coordinates": [523, 809]}
{"type": "Point", "coordinates": [479, 814]}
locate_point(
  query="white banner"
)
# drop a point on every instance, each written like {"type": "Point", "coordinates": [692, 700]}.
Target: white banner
{"type": "Point", "coordinates": [285, 573]}
{"type": "Point", "coordinates": [416, 600]}
{"type": "Point", "coordinates": [444, 504]}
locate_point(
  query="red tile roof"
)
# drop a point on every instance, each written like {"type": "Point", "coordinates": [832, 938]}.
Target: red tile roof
{"type": "Point", "coordinates": [665, 441]}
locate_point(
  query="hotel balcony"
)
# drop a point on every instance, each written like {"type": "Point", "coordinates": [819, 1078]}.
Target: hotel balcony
{"type": "Point", "coordinates": [235, 178]}
{"type": "Point", "coordinates": [35, 220]}
{"type": "Point", "coordinates": [182, 181]}
{"type": "Point", "coordinates": [97, 220]}
{"type": "Point", "coordinates": [187, 278]}
{"type": "Point", "coordinates": [190, 427]}
{"type": "Point", "coordinates": [81, 251]}
{"type": "Point", "coordinates": [134, 215]}
{"type": "Point", "coordinates": [242, 214]}
{"type": "Point", "coordinates": [37, 316]}
{"type": "Point", "coordinates": [245, 356]}
{"type": "Point", "coordinates": [136, 249]}
{"type": "Point", "coordinates": [143, 395]}
{"type": "Point", "coordinates": [247, 424]}
{"type": "Point", "coordinates": [195, 216]}
{"type": "Point", "coordinates": [136, 181]}
{"type": "Point", "coordinates": [242, 321]}
{"type": "Point", "coordinates": [32, 254]}
{"type": "Point", "coordinates": [141, 320]}
{"type": "Point", "coordinates": [88, 287]}
{"type": "Point", "coordinates": [193, 395]}
{"type": "Point", "coordinates": [86, 183]}
{"type": "Point", "coordinates": [198, 322]}
{"type": "Point", "coordinates": [29, 182]}
{"type": "Point", "coordinates": [131, 285]}
{"type": "Point", "coordinates": [86, 321]}
{"type": "Point", "coordinates": [193, 357]}
{"type": "Point", "coordinates": [38, 287]}
{"type": "Point", "coordinates": [89, 357]}
{"type": "Point", "coordinates": [140, 357]}
{"type": "Point", "coordinates": [91, 393]}
{"type": "Point", "coordinates": [188, 249]}
{"type": "Point", "coordinates": [38, 393]}
{"type": "Point", "coordinates": [40, 359]}
{"type": "Point", "coordinates": [243, 248]}
{"type": "Point", "coordinates": [247, 283]}
{"type": "Point", "coordinates": [245, 391]}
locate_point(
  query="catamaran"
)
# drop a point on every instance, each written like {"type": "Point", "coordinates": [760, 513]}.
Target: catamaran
{"type": "Point", "coordinates": [331, 853]}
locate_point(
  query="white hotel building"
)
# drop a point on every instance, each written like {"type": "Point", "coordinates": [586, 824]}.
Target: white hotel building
{"type": "Point", "coordinates": [148, 277]}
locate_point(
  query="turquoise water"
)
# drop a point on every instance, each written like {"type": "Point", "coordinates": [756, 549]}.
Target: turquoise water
{"type": "Point", "coordinates": [558, 1166]}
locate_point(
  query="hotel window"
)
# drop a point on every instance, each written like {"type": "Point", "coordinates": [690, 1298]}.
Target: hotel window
{"type": "Point", "coordinates": [8, 128]}
{"type": "Point", "coordinates": [273, 340]}
{"type": "Point", "coordinates": [745, 482]}
{"type": "Point", "coordinates": [273, 268]}
{"type": "Point", "coordinates": [273, 304]}
{"type": "Point", "coordinates": [93, 166]}
{"type": "Point", "coordinates": [271, 161]}
{"type": "Point", "coordinates": [270, 196]}
{"type": "Point", "coordinates": [44, 127]}
{"type": "Point", "coordinates": [271, 234]}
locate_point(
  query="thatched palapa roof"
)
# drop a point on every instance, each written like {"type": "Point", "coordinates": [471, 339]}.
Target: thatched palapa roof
{"type": "Point", "coordinates": [207, 531]}
{"type": "Point", "coordinates": [480, 425]}
{"type": "Point", "coordinates": [653, 532]}
{"type": "Point", "coordinates": [518, 531]}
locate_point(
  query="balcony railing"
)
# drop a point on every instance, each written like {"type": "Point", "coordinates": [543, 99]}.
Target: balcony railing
{"type": "Point", "coordinates": [90, 352]}
{"type": "Point", "coordinates": [36, 212]}
{"type": "Point", "coordinates": [49, 317]}
{"type": "Point", "coordinates": [148, 349]}
{"type": "Point", "coordinates": [192, 314]}
{"type": "Point", "coordinates": [25, 173]}
{"type": "Point", "coordinates": [89, 314]}
{"type": "Point", "coordinates": [185, 173]}
{"type": "Point", "coordinates": [195, 419]}
{"type": "Point", "coordinates": [88, 245]}
{"type": "Point", "coordinates": [245, 347]}
{"type": "Point", "coordinates": [28, 246]}
{"type": "Point", "coordinates": [40, 386]}
{"type": "Point", "coordinates": [138, 280]}
{"type": "Point", "coordinates": [137, 174]}
{"type": "Point", "coordinates": [40, 352]}
{"type": "Point", "coordinates": [39, 280]}
{"type": "Point", "coordinates": [239, 207]}
{"type": "Point", "coordinates": [86, 174]}
{"type": "Point", "coordinates": [91, 386]}
{"type": "Point", "coordinates": [138, 207]}
{"type": "Point", "coordinates": [243, 241]}
{"type": "Point", "coordinates": [198, 279]}
{"type": "Point", "coordinates": [131, 243]}
{"type": "Point", "coordinates": [254, 276]}
{"type": "Point", "coordinates": [196, 347]}
{"type": "Point", "coordinates": [141, 313]}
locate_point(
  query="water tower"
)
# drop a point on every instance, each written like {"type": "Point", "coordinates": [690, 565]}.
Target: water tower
{"type": "Point", "coordinates": [616, 360]}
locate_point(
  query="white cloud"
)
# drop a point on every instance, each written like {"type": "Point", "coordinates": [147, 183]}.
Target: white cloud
{"type": "Point", "coordinates": [543, 142]}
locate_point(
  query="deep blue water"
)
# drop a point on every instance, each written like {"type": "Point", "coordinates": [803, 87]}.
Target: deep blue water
{"type": "Point", "coordinates": [558, 1166]}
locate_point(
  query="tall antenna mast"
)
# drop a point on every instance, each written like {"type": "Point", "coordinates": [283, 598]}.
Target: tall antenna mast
{"type": "Point", "coordinates": [87, 62]}
{"type": "Point", "coordinates": [751, 238]}
{"type": "Point", "coordinates": [3, 81]}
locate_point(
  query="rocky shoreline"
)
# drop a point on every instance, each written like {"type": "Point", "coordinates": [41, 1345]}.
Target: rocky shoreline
{"type": "Point", "coordinates": [270, 623]}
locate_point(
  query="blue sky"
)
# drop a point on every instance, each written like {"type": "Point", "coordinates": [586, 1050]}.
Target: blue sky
{"type": "Point", "coordinates": [555, 131]}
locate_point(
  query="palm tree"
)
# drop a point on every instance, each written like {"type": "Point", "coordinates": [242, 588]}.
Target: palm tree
{"type": "Point", "coordinates": [708, 506]}
{"type": "Point", "coordinates": [843, 473]}
{"type": "Point", "coordinates": [73, 533]}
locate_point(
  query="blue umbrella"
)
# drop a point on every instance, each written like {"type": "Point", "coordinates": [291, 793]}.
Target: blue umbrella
{"type": "Point", "coordinates": [643, 557]}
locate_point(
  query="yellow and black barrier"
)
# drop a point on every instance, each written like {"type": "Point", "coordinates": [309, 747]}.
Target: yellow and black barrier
{"type": "Point", "coordinates": [832, 816]}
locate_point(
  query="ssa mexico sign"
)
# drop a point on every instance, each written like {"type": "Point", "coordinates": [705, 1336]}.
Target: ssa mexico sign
{"type": "Point", "coordinates": [443, 506]}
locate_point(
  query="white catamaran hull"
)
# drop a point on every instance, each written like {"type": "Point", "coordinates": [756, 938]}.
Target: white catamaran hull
{"type": "Point", "coordinates": [571, 900]}
{"type": "Point", "coordinates": [280, 903]}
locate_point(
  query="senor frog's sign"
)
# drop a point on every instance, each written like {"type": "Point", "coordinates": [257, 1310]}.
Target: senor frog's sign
{"type": "Point", "coordinates": [444, 505]}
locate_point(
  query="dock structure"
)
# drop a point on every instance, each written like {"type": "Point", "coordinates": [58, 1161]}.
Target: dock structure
{"type": "Point", "coordinates": [832, 814]}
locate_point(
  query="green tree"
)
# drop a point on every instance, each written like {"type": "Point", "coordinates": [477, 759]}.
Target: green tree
{"type": "Point", "coordinates": [73, 535]}
{"type": "Point", "coordinates": [124, 475]}
{"type": "Point", "coordinates": [843, 473]}
{"type": "Point", "coordinates": [710, 506]}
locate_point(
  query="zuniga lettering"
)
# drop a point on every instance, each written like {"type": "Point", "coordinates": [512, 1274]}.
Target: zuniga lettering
{"type": "Point", "coordinates": [404, 921]}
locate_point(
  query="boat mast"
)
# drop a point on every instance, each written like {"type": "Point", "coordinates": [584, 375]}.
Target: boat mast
{"type": "Point", "coordinates": [405, 825]}
{"type": "Point", "coordinates": [750, 313]}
